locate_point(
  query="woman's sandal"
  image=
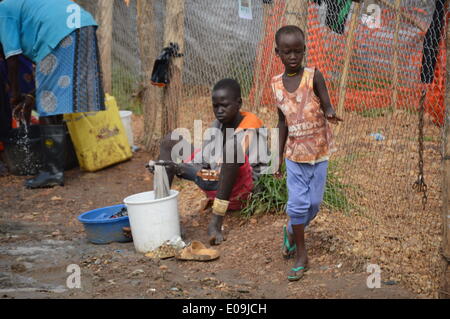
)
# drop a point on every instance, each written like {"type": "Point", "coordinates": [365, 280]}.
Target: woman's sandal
{"type": "Point", "coordinates": [196, 251]}
{"type": "Point", "coordinates": [299, 272]}
{"type": "Point", "coordinates": [287, 249]}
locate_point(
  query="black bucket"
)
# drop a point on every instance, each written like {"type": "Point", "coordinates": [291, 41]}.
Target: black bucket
{"type": "Point", "coordinates": [23, 155]}
{"type": "Point", "coordinates": [71, 156]}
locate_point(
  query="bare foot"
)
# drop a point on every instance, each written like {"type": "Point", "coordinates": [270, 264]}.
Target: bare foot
{"type": "Point", "coordinates": [215, 230]}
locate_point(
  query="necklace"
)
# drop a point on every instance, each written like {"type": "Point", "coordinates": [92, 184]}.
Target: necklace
{"type": "Point", "coordinates": [291, 74]}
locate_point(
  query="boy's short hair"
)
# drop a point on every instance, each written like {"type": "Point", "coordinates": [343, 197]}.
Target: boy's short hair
{"type": "Point", "coordinates": [230, 84]}
{"type": "Point", "coordinates": [288, 29]}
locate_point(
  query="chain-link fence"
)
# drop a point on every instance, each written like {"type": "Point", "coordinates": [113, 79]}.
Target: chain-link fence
{"type": "Point", "coordinates": [384, 63]}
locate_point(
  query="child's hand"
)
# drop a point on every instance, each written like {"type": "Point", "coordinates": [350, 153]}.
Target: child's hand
{"type": "Point", "coordinates": [279, 174]}
{"type": "Point", "coordinates": [169, 165]}
{"type": "Point", "coordinates": [331, 116]}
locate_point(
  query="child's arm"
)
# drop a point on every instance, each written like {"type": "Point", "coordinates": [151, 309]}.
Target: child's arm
{"type": "Point", "coordinates": [229, 170]}
{"type": "Point", "coordinates": [320, 89]}
{"type": "Point", "coordinates": [282, 136]}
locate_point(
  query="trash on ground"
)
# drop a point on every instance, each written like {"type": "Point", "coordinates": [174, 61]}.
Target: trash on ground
{"type": "Point", "coordinates": [162, 252]}
{"type": "Point", "coordinates": [168, 249]}
{"type": "Point", "coordinates": [177, 242]}
{"type": "Point", "coordinates": [377, 136]}
{"type": "Point", "coordinates": [123, 212]}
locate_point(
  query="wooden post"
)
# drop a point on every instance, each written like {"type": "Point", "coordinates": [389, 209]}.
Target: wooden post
{"type": "Point", "coordinates": [297, 14]}
{"type": "Point", "coordinates": [151, 96]}
{"type": "Point", "coordinates": [396, 51]}
{"type": "Point", "coordinates": [173, 32]}
{"type": "Point", "coordinates": [105, 21]}
{"type": "Point", "coordinates": [347, 59]}
{"type": "Point", "coordinates": [445, 289]}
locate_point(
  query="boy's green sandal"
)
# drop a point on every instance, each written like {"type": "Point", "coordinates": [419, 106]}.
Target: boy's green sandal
{"type": "Point", "coordinates": [287, 249]}
{"type": "Point", "coordinates": [299, 272]}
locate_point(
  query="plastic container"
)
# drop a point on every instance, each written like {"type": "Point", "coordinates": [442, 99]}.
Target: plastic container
{"type": "Point", "coordinates": [125, 116]}
{"type": "Point", "coordinates": [101, 229]}
{"type": "Point", "coordinates": [99, 138]}
{"type": "Point", "coordinates": [22, 155]}
{"type": "Point", "coordinates": [153, 221]}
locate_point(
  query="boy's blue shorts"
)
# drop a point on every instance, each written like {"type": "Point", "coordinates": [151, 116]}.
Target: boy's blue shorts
{"type": "Point", "coordinates": [306, 186]}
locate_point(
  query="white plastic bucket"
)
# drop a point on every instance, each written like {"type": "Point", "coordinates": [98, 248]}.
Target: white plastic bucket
{"type": "Point", "coordinates": [125, 116]}
{"type": "Point", "coordinates": [152, 221]}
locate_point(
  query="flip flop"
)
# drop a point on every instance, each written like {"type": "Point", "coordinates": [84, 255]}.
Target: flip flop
{"type": "Point", "coordinates": [196, 251]}
{"type": "Point", "coordinates": [296, 277]}
{"type": "Point", "coordinates": [287, 249]}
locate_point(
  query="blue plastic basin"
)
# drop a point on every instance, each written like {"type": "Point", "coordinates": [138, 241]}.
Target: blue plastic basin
{"type": "Point", "coordinates": [101, 229]}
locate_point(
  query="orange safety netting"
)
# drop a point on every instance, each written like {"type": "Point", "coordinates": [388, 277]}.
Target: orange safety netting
{"type": "Point", "coordinates": [370, 83]}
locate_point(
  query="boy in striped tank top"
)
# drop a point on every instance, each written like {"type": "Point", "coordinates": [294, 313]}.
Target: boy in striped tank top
{"type": "Point", "coordinates": [306, 140]}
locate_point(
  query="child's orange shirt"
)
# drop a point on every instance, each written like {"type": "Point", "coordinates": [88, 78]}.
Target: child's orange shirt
{"type": "Point", "coordinates": [309, 139]}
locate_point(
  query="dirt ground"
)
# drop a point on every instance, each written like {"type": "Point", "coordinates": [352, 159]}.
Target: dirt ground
{"type": "Point", "coordinates": [40, 236]}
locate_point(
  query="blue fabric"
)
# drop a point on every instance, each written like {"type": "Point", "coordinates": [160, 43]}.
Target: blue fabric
{"type": "Point", "coordinates": [68, 80]}
{"type": "Point", "coordinates": [35, 27]}
{"type": "Point", "coordinates": [54, 76]}
{"type": "Point", "coordinates": [306, 186]}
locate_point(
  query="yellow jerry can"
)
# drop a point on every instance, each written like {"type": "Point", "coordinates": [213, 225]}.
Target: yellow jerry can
{"type": "Point", "coordinates": [99, 138]}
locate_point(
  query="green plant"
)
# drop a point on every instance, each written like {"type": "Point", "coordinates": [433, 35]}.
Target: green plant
{"type": "Point", "coordinates": [270, 194]}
